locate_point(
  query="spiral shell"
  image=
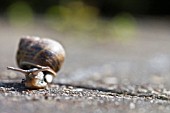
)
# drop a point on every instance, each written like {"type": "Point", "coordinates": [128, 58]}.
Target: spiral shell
{"type": "Point", "coordinates": [35, 52]}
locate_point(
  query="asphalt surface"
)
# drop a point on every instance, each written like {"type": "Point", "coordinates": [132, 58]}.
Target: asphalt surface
{"type": "Point", "coordinates": [102, 76]}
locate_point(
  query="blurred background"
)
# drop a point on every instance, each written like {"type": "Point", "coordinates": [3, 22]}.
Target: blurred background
{"type": "Point", "coordinates": [84, 15]}
{"type": "Point", "coordinates": [107, 41]}
{"type": "Point", "coordinates": [115, 18]}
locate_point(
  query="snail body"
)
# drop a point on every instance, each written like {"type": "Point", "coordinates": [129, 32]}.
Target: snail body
{"type": "Point", "coordinates": [39, 59]}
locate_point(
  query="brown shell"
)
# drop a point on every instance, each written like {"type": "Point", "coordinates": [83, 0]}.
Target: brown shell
{"type": "Point", "coordinates": [34, 51]}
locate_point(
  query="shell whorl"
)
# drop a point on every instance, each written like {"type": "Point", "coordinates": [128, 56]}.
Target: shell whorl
{"type": "Point", "coordinates": [33, 51]}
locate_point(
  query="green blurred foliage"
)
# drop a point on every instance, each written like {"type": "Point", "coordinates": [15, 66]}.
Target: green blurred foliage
{"type": "Point", "coordinates": [20, 14]}
{"type": "Point", "coordinates": [123, 26]}
{"type": "Point", "coordinates": [75, 18]}
{"type": "Point", "coordinates": [78, 18]}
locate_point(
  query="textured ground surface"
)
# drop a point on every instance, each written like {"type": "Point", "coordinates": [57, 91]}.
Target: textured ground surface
{"type": "Point", "coordinates": [98, 76]}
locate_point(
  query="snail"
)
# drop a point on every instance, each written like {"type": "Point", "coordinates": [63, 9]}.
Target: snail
{"type": "Point", "coordinates": [39, 59]}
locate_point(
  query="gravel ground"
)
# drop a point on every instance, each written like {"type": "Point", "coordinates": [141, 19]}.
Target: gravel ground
{"type": "Point", "coordinates": [69, 98]}
{"type": "Point", "coordinates": [121, 77]}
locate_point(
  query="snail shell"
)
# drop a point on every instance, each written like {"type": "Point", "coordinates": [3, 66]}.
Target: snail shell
{"type": "Point", "coordinates": [34, 51]}
{"type": "Point", "coordinates": [39, 59]}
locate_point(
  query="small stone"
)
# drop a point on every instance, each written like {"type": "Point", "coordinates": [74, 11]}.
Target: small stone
{"type": "Point", "coordinates": [132, 106]}
{"type": "Point", "coordinates": [70, 87]}
{"type": "Point", "coordinates": [78, 89]}
{"type": "Point", "coordinates": [2, 89]}
{"type": "Point", "coordinates": [117, 103]}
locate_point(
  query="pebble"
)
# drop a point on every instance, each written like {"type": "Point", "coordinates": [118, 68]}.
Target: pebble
{"type": "Point", "coordinates": [132, 106]}
{"type": "Point", "coordinates": [78, 89]}
{"type": "Point", "coordinates": [2, 89]}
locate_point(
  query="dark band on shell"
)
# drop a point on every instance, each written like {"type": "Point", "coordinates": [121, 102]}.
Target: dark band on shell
{"type": "Point", "coordinates": [33, 51]}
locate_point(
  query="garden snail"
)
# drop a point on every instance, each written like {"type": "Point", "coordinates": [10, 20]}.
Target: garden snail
{"type": "Point", "coordinates": [39, 59]}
